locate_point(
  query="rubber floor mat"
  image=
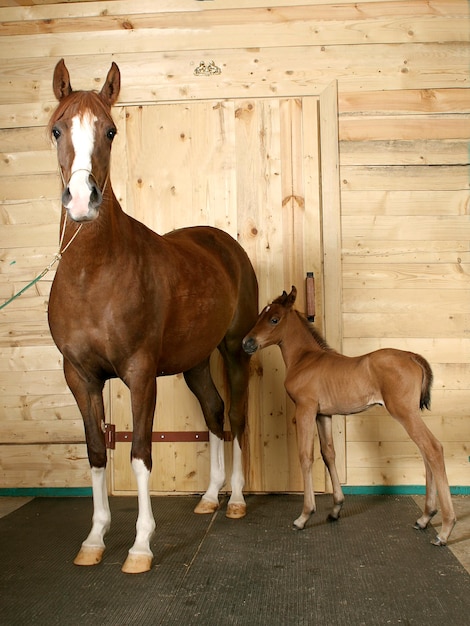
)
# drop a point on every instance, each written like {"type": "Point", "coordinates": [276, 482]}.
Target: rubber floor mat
{"type": "Point", "coordinates": [369, 568]}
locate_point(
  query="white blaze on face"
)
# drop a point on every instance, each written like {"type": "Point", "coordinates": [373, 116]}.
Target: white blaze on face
{"type": "Point", "coordinates": [83, 139]}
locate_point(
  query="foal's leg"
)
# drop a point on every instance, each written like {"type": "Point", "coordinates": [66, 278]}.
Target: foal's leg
{"type": "Point", "coordinates": [90, 402]}
{"type": "Point", "coordinates": [143, 390]}
{"type": "Point", "coordinates": [430, 508]}
{"type": "Point", "coordinates": [325, 432]}
{"type": "Point", "coordinates": [237, 364]}
{"type": "Point", "coordinates": [199, 380]}
{"type": "Point", "coordinates": [433, 455]}
{"type": "Point", "coordinates": [305, 425]}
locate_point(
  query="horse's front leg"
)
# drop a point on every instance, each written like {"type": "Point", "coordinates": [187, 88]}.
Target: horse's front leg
{"type": "Point", "coordinates": [305, 424]}
{"type": "Point", "coordinates": [143, 399]}
{"type": "Point", "coordinates": [325, 432]}
{"type": "Point", "coordinates": [90, 402]}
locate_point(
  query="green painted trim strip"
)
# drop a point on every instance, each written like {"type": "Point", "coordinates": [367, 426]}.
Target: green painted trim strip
{"type": "Point", "coordinates": [399, 490]}
{"type": "Point", "coordinates": [360, 490]}
{"type": "Point", "coordinates": [47, 492]}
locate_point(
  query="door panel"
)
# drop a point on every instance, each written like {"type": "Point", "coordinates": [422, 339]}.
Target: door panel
{"type": "Point", "coordinates": [252, 168]}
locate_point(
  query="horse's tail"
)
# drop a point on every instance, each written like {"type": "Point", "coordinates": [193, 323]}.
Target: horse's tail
{"type": "Point", "coordinates": [425, 398]}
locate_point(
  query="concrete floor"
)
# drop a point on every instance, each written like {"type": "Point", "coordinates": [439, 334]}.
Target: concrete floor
{"type": "Point", "coordinates": [459, 542]}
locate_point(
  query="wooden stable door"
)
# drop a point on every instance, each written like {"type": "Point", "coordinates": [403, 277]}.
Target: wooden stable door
{"type": "Point", "coordinates": [252, 168]}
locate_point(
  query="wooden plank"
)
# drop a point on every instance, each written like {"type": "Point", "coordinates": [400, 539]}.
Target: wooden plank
{"type": "Point", "coordinates": [407, 228]}
{"type": "Point", "coordinates": [405, 202]}
{"type": "Point", "coordinates": [381, 427]}
{"type": "Point", "coordinates": [288, 24]}
{"type": "Point", "coordinates": [410, 177]}
{"type": "Point", "coordinates": [402, 302]}
{"type": "Point", "coordinates": [440, 350]}
{"type": "Point", "coordinates": [407, 276]}
{"type": "Point", "coordinates": [46, 432]}
{"type": "Point", "coordinates": [391, 128]}
{"type": "Point", "coordinates": [403, 101]}
{"type": "Point", "coordinates": [23, 466]}
{"type": "Point", "coordinates": [35, 211]}
{"type": "Point", "coordinates": [434, 324]}
{"type": "Point", "coordinates": [30, 407]}
{"type": "Point", "coordinates": [398, 152]}
{"type": "Point", "coordinates": [50, 9]}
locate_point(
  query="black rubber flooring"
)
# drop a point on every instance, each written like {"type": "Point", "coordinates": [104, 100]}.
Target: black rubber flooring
{"type": "Point", "coordinates": [370, 568]}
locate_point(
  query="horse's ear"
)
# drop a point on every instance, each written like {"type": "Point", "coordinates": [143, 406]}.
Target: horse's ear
{"type": "Point", "coordinates": [61, 81]}
{"type": "Point", "coordinates": [291, 297]}
{"type": "Point", "coordinates": [112, 85]}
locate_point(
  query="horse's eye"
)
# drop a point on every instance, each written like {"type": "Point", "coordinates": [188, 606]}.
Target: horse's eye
{"type": "Point", "coordinates": [111, 134]}
{"type": "Point", "coordinates": [274, 321]}
{"type": "Point", "coordinates": [56, 133]}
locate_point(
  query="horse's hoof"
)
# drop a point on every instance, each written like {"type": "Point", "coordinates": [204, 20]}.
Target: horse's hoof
{"type": "Point", "coordinates": [137, 564]}
{"type": "Point", "coordinates": [89, 556]}
{"type": "Point", "coordinates": [236, 511]}
{"type": "Point", "coordinates": [332, 517]}
{"type": "Point", "coordinates": [205, 507]}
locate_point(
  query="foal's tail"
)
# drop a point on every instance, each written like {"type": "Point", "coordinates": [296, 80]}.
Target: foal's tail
{"type": "Point", "coordinates": [425, 398]}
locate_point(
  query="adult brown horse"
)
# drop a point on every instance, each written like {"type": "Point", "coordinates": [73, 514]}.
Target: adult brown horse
{"type": "Point", "coordinates": [322, 383]}
{"type": "Point", "coordinates": [128, 303]}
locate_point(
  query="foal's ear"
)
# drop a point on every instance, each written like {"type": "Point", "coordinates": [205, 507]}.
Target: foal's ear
{"type": "Point", "coordinates": [112, 85]}
{"type": "Point", "coordinates": [61, 81]}
{"type": "Point", "coordinates": [291, 297]}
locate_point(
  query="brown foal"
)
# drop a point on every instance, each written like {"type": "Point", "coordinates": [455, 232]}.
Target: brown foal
{"type": "Point", "coordinates": [321, 382]}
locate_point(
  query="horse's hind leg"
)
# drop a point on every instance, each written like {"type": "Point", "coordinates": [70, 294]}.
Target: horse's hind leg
{"type": "Point", "coordinates": [237, 364]}
{"type": "Point", "coordinates": [325, 433]}
{"type": "Point", "coordinates": [430, 508]}
{"type": "Point", "coordinates": [199, 380]}
{"type": "Point", "coordinates": [90, 402]}
{"type": "Point", "coordinates": [433, 456]}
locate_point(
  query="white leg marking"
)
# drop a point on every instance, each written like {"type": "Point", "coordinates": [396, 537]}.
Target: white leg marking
{"type": "Point", "coordinates": [101, 513]}
{"type": "Point", "coordinates": [145, 520]}
{"type": "Point", "coordinates": [238, 480]}
{"type": "Point", "coordinates": [83, 139]}
{"type": "Point", "coordinates": [217, 472]}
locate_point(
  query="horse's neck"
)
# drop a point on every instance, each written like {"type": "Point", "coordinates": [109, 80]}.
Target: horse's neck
{"type": "Point", "coordinates": [297, 341]}
{"type": "Point", "coordinates": [85, 242]}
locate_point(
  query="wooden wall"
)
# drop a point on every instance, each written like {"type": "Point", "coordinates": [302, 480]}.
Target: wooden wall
{"type": "Point", "coordinates": [402, 69]}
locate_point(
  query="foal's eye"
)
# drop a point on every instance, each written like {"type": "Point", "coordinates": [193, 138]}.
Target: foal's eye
{"type": "Point", "coordinates": [56, 133]}
{"type": "Point", "coordinates": [274, 321]}
{"type": "Point", "coordinates": [111, 133]}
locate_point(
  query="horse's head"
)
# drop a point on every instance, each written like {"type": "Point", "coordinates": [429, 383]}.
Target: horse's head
{"type": "Point", "coordinates": [83, 131]}
{"type": "Point", "coordinates": [268, 329]}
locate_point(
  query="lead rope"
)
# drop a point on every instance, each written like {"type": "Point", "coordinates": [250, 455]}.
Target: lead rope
{"type": "Point", "coordinates": [57, 255]}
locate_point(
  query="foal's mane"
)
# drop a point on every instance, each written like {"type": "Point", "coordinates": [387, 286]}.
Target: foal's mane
{"type": "Point", "coordinates": [77, 103]}
{"type": "Point", "coordinates": [315, 334]}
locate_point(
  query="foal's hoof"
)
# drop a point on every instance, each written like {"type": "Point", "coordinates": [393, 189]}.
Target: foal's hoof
{"type": "Point", "coordinates": [89, 556]}
{"type": "Point", "coordinates": [205, 507]}
{"type": "Point", "coordinates": [438, 541]}
{"type": "Point", "coordinates": [137, 564]}
{"type": "Point", "coordinates": [236, 511]}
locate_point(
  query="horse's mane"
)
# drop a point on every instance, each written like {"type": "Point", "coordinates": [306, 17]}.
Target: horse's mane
{"type": "Point", "coordinates": [79, 102]}
{"type": "Point", "coordinates": [315, 334]}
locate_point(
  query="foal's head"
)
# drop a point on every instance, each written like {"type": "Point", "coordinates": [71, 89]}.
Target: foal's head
{"type": "Point", "coordinates": [269, 327]}
{"type": "Point", "coordinates": [83, 131]}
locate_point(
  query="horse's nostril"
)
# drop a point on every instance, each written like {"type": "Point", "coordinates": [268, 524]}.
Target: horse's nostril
{"type": "Point", "coordinates": [66, 196]}
{"type": "Point", "coordinates": [96, 197]}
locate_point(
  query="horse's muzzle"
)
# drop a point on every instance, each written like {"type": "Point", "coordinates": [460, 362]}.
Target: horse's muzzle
{"type": "Point", "coordinates": [83, 208]}
{"type": "Point", "coordinates": [250, 345]}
